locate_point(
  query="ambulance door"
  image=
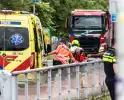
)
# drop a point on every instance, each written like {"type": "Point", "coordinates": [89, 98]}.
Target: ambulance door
{"type": "Point", "coordinates": [40, 43]}
{"type": "Point", "coordinates": [39, 46]}
{"type": "Point", "coordinates": [2, 34]}
{"type": "Point", "coordinates": [16, 48]}
{"type": "Point", "coordinates": [2, 54]}
{"type": "Point", "coordinates": [36, 47]}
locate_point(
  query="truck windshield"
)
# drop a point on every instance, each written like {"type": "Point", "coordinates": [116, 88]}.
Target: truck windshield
{"type": "Point", "coordinates": [13, 38]}
{"type": "Point", "coordinates": [87, 22]}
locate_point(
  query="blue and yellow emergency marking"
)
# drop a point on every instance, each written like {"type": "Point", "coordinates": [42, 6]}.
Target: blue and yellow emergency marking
{"type": "Point", "coordinates": [17, 39]}
{"type": "Point", "coordinates": [10, 23]}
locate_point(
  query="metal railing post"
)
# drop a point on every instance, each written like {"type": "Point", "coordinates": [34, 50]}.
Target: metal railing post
{"type": "Point", "coordinates": [38, 85]}
{"type": "Point", "coordinates": [86, 84]}
{"type": "Point", "coordinates": [69, 84]}
{"type": "Point", "coordinates": [49, 85]}
{"type": "Point", "coordinates": [100, 78]}
{"type": "Point", "coordinates": [78, 82]}
{"type": "Point", "coordinates": [14, 87]}
{"type": "Point", "coordinates": [26, 86]}
{"type": "Point", "coordinates": [93, 81]}
{"type": "Point", "coordinates": [60, 84]}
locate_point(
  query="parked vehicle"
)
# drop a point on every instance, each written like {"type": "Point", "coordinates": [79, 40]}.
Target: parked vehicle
{"type": "Point", "coordinates": [92, 28]}
{"type": "Point", "coordinates": [21, 40]}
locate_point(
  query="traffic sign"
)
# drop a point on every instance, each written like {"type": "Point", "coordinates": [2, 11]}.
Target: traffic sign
{"type": "Point", "coordinates": [112, 6]}
{"type": "Point", "coordinates": [35, 0]}
{"type": "Point", "coordinates": [113, 18]}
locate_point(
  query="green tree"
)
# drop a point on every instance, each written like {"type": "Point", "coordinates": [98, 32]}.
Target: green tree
{"type": "Point", "coordinates": [45, 13]}
{"type": "Point", "coordinates": [15, 4]}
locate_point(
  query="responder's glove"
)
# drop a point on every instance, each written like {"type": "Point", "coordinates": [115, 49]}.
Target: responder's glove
{"type": "Point", "coordinates": [45, 54]}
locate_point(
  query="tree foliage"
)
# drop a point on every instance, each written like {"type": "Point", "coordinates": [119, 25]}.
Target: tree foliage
{"type": "Point", "coordinates": [54, 12]}
{"type": "Point", "coordinates": [45, 13]}
{"type": "Point", "coordinates": [15, 4]}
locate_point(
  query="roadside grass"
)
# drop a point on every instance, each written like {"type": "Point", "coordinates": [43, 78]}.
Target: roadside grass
{"type": "Point", "coordinates": [105, 98]}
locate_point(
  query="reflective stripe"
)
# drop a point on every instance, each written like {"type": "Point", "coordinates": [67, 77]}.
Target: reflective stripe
{"type": "Point", "coordinates": [114, 60]}
{"type": "Point", "coordinates": [68, 58]}
{"type": "Point", "coordinates": [109, 59]}
{"type": "Point", "coordinates": [61, 55]}
{"type": "Point", "coordinates": [62, 58]}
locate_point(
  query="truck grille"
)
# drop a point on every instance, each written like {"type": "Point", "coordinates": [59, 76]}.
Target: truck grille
{"type": "Point", "coordinates": [90, 44]}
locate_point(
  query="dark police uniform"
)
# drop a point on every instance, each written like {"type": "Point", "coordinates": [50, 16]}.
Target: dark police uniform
{"type": "Point", "coordinates": [109, 60]}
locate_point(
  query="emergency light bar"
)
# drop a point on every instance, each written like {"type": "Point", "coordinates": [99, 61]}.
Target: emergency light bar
{"type": "Point", "coordinates": [25, 12]}
{"type": "Point", "coordinates": [80, 10]}
{"type": "Point", "coordinates": [6, 11]}
{"type": "Point", "coordinates": [16, 12]}
{"type": "Point", "coordinates": [86, 10]}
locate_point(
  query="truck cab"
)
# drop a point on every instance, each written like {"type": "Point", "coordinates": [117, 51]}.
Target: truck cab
{"type": "Point", "coordinates": [92, 28]}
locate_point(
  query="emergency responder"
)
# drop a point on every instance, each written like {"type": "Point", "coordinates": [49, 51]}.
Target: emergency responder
{"type": "Point", "coordinates": [77, 51]}
{"type": "Point", "coordinates": [47, 42]}
{"type": "Point", "coordinates": [62, 52]}
{"type": "Point", "coordinates": [109, 60]}
{"type": "Point", "coordinates": [75, 44]}
{"type": "Point", "coordinates": [79, 55]}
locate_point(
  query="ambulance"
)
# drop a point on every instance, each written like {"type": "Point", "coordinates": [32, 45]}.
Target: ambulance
{"type": "Point", "coordinates": [21, 40]}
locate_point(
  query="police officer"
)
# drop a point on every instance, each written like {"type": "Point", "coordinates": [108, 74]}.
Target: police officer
{"type": "Point", "coordinates": [109, 60]}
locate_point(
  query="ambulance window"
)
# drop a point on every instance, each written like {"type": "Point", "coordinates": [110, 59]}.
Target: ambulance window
{"type": "Point", "coordinates": [2, 29]}
{"type": "Point", "coordinates": [16, 38]}
{"type": "Point", "coordinates": [39, 30]}
{"type": "Point", "coordinates": [36, 40]}
{"type": "Point", "coordinates": [41, 38]}
{"type": "Point", "coordinates": [44, 44]}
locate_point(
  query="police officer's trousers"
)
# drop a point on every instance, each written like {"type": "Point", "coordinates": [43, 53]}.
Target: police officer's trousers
{"type": "Point", "coordinates": [110, 77]}
{"type": "Point", "coordinates": [111, 87]}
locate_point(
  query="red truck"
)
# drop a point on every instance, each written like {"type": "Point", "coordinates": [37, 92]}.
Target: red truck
{"type": "Point", "coordinates": [93, 29]}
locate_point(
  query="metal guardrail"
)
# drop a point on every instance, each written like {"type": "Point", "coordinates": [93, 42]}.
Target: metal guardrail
{"type": "Point", "coordinates": [94, 67]}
